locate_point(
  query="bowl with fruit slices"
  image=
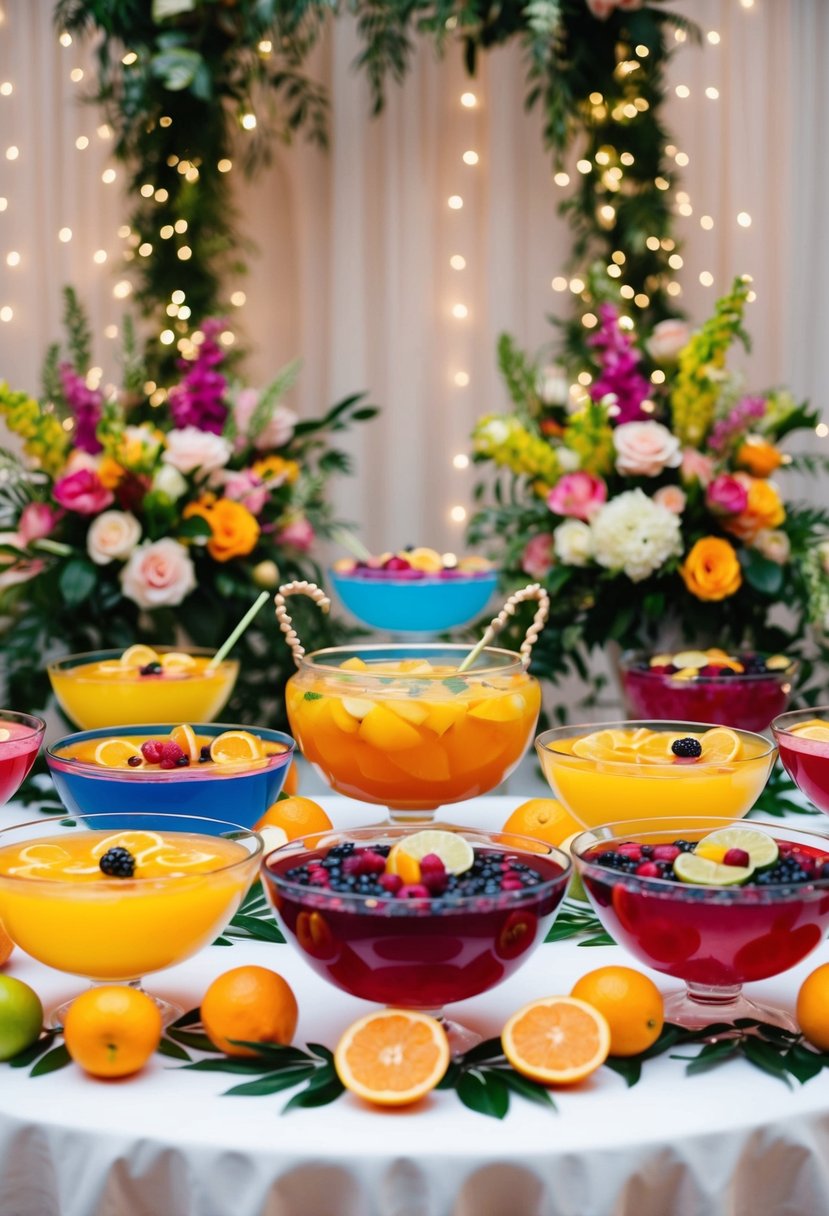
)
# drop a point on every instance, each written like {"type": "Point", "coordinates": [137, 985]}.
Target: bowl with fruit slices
{"type": "Point", "coordinates": [654, 769]}
{"type": "Point", "coordinates": [710, 901]}
{"type": "Point", "coordinates": [417, 919]}
{"type": "Point", "coordinates": [803, 739]}
{"type": "Point", "coordinates": [208, 770]}
{"type": "Point", "coordinates": [743, 689]}
{"type": "Point", "coordinates": [141, 684]}
{"type": "Point", "coordinates": [415, 590]}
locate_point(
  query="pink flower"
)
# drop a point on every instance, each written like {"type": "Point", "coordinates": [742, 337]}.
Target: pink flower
{"type": "Point", "coordinates": [668, 339]}
{"type": "Point", "coordinates": [603, 8]}
{"type": "Point", "coordinates": [696, 467]}
{"type": "Point", "coordinates": [726, 495]}
{"type": "Point", "coordinates": [243, 407]}
{"type": "Point", "coordinates": [577, 494]}
{"type": "Point", "coordinates": [673, 498]}
{"type": "Point", "coordinates": [537, 558]}
{"type": "Point", "coordinates": [644, 449]}
{"type": "Point", "coordinates": [278, 430]}
{"type": "Point", "coordinates": [37, 520]}
{"type": "Point", "coordinates": [21, 572]}
{"type": "Point", "coordinates": [82, 492]}
{"type": "Point", "coordinates": [299, 534]}
{"type": "Point", "coordinates": [247, 488]}
{"type": "Point", "coordinates": [158, 574]}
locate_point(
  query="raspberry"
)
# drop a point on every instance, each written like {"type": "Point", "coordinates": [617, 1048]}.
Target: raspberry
{"type": "Point", "coordinates": [414, 890]}
{"type": "Point", "coordinates": [434, 880]}
{"type": "Point", "coordinates": [151, 751]}
{"type": "Point", "coordinates": [648, 869]}
{"type": "Point", "coordinates": [511, 882]}
{"type": "Point", "coordinates": [630, 849]}
{"type": "Point", "coordinates": [391, 883]}
{"type": "Point", "coordinates": [687, 748]}
{"type": "Point", "coordinates": [432, 862]}
{"type": "Point", "coordinates": [736, 857]}
{"type": "Point", "coordinates": [171, 751]}
{"type": "Point", "coordinates": [666, 852]}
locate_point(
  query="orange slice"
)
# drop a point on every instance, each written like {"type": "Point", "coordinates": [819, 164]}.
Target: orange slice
{"type": "Point", "coordinates": [656, 749]}
{"type": "Point", "coordinates": [815, 728]}
{"type": "Point", "coordinates": [720, 745]}
{"type": "Point", "coordinates": [185, 737]}
{"type": "Point", "coordinates": [605, 745]}
{"type": "Point", "coordinates": [556, 1040]}
{"type": "Point", "coordinates": [176, 660]}
{"type": "Point", "coordinates": [116, 753]}
{"type": "Point", "coordinates": [138, 656]}
{"type": "Point", "coordinates": [236, 747]}
{"type": "Point", "coordinates": [392, 1057]}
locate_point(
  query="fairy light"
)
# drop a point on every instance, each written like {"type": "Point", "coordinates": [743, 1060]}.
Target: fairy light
{"type": "Point", "coordinates": [682, 91]}
{"type": "Point", "coordinates": [224, 165]}
{"type": "Point", "coordinates": [559, 283]}
{"type": "Point", "coordinates": [76, 75]}
{"type": "Point", "coordinates": [583, 166]}
{"type": "Point", "coordinates": [65, 39]}
{"type": "Point", "coordinates": [711, 93]}
{"type": "Point", "coordinates": [461, 461]}
{"type": "Point", "coordinates": [626, 291]}
{"type": "Point", "coordinates": [706, 222]}
{"type": "Point", "coordinates": [469, 100]}
{"type": "Point", "coordinates": [178, 297]}
{"type": "Point", "coordinates": [461, 379]}
{"type": "Point", "coordinates": [460, 311]}
{"type": "Point", "coordinates": [108, 176]}
{"type": "Point", "coordinates": [744, 219]}
{"type": "Point", "coordinates": [627, 158]}
{"type": "Point", "coordinates": [822, 430]}
{"type": "Point", "coordinates": [13, 258]}
{"type": "Point", "coordinates": [657, 377]}
{"type": "Point", "coordinates": [577, 286]}
{"type": "Point", "coordinates": [675, 262]}
{"type": "Point", "coordinates": [249, 121]}
{"type": "Point", "coordinates": [713, 37]}
{"type": "Point", "coordinates": [65, 235]}
{"type": "Point", "coordinates": [457, 261]}
{"type": "Point", "coordinates": [706, 278]}
{"type": "Point", "coordinates": [674, 289]}
{"type": "Point", "coordinates": [165, 121]}
{"type": "Point", "coordinates": [161, 195]}
{"type": "Point", "coordinates": [652, 243]}
{"type": "Point", "coordinates": [614, 271]}
{"type": "Point", "coordinates": [238, 298]}
{"type": "Point", "coordinates": [470, 157]}
{"type": "Point", "coordinates": [167, 337]}
{"type": "Point", "coordinates": [99, 256]}
{"type": "Point", "coordinates": [642, 51]}
{"type": "Point", "coordinates": [111, 331]}
{"type": "Point", "coordinates": [584, 378]}
{"type": "Point", "coordinates": [227, 337]}
{"type": "Point", "coordinates": [589, 320]}
{"type": "Point", "coordinates": [641, 300]}
{"type": "Point", "coordinates": [457, 514]}
{"type": "Point", "coordinates": [455, 202]}
{"type": "Point", "coordinates": [12, 152]}
{"type": "Point", "coordinates": [682, 159]}
{"type": "Point", "coordinates": [166, 232]}
{"type": "Point", "coordinates": [562, 179]}
{"type": "Point", "coordinates": [129, 59]}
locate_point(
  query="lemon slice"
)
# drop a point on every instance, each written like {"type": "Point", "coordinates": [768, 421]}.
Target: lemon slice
{"type": "Point", "coordinates": [4, 734]}
{"type": "Point", "coordinates": [116, 753]}
{"type": "Point", "coordinates": [185, 737]}
{"type": "Point", "coordinates": [817, 730]}
{"type": "Point", "coordinates": [455, 852]}
{"type": "Point", "coordinates": [656, 748]}
{"type": "Point", "coordinates": [140, 843]}
{"type": "Point", "coordinates": [720, 745]}
{"type": "Point", "coordinates": [761, 848]}
{"type": "Point", "coordinates": [690, 867]}
{"type": "Point", "coordinates": [236, 747]}
{"type": "Point", "coordinates": [605, 745]}
{"type": "Point", "coordinates": [690, 658]}
{"type": "Point", "coordinates": [428, 560]}
{"type": "Point", "coordinates": [176, 660]}
{"type": "Point", "coordinates": [138, 656]}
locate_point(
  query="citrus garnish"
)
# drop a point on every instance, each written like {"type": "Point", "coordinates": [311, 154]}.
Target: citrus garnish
{"type": "Point", "coordinates": [138, 656]}
{"type": "Point", "coordinates": [656, 749]}
{"type": "Point", "coordinates": [4, 734]}
{"type": "Point", "coordinates": [690, 658]}
{"type": "Point", "coordinates": [605, 745]}
{"type": "Point", "coordinates": [703, 872]}
{"type": "Point", "coordinates": [176, 660]}
{"type": "Point", "coordinates": [6, 946]}
{"type": "Point", "coordinates": [720, 745]}
{"type": "Point", "coordinates": [185, 737]}
{"type": "Point", "coordinates": [631, 1003]}
{"type": "Point", "coordinates": [295, 817]}
{"type": "Point", "coordinates": [556, 1040]}
{"type": "Point", "coordinates": [236, 747]}
{"type": "Point", "coordinates": [761, 848]}
{"type": "Point", "coordinates": [249, 1004]}
{"type": "Point", "coordinates": [117, 753]}
{"type": "Point", "coordinates": [140, 843]}
{"type": "Point", "coordinates": [817, 729]}
{"type": "Point", "coordinates": [392, 1057]}
{"type": "Point", "coordinates": [454, 850]}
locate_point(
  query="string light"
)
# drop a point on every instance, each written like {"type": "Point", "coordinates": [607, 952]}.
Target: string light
{"type": "Point", "coordinates": [706, 278]}
{"type": "Point", "coordinates": [459, 311]}
{"type": "Point", "coordinates": [461, 461]}
{"type": "Point", "coordinates": [822, 430]}
{"type": "Point", "coordinates": [65, 235]}
{"type": "Point", "coordinates": [559, 283]}
{"type": "Point", "coordinates": [238, 298]}
{"type": "Point", "coordinates": [461, 379]}
{"type": "Point", "coordinates": [470, 157]}
{"type": "Point", "coordinates": [469, 100]}
{"type": "Point", "coordinates": [713, 37]}
{"type": "Point", "coordinates": [457, 514]}
{"type": "Point", "coordinates": [455, 202]}
{"type": "Point", "coordinates": [682, 91]}
{"type": "Point", "coordinates": [457, 261]}
{"type": "Point", "coordinates": [706, 221]}
{"type": "Point", "coordinates": [712, 93]}
{"type": "Point", "coordinates": [562, 179]}
{"type": "Point", "coordinates": [13, 258]}
{"type": "Point", "coordinates": [744, 219]}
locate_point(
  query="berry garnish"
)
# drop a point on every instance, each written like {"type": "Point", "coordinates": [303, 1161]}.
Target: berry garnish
{"type": "Point", "coordinates": [736, 857]}
{"type": "Point", "coordinates": [117, 863]}
{"type": "Point", "coordinates": [134, 761]}
{"type": "Point", "coordinates": [687, 748]}
{"type": "Point", "coordinates": [151, 669]}
{"type": "Point", "coordinates": [151, 751]}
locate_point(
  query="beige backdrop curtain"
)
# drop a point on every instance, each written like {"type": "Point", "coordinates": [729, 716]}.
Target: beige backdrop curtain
{"type": "Point", "coordinates": [352, 267]}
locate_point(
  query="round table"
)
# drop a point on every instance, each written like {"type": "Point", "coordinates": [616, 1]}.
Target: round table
{"type": "Point", "coordinates": [728, 1142]}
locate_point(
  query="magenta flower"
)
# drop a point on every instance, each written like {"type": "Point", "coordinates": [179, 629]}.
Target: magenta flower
{"type": "Point", "coordinates": [37, 519]}
{"type": "Point", "coordinates": [82, 492]}
{"type": "Point", "coordinates": [299, 534]}
{"type": "Point", "coordinates": [85, 404]}
{"type": "Point", "coordinates": [737, 423]}
{"type": "Point", "coordinates": [726, 495]}
{"type": "Point", "coordinates": [577, 494]}
{"type": "Point", "coordinates": [619, 361]}
{"type": "Point", "coordinates": [199, 400]}
{"type": "Point", "coordinates": [247, 488]}
{"type": "Point", "coordinates": [537, 558]}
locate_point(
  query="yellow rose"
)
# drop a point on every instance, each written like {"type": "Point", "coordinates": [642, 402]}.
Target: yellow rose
{"type": "Point", "coordinates": [711, 570]}
{"type": "Point", "coordinates": [110, 472]}
{"type": "Point", "coordinates": [763, 509]}
{"type": "Point", "coordinates": [274, 470]}
{"type": "Point", "coordinates": [758, 456]}
{"type": "Point", "coordinates": [234, 531]}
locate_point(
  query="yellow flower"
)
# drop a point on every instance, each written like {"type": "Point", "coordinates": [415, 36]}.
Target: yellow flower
{"type": "Point", "coordinates": [758, 456]}
{"type": "Point", "coordinates": [275, 469]}
{"type": "Point", "coordinates": [763, 509]}
{"type": "Point", "coordinates": [234, 531]}
{"type": "Point", "coordinates": [110, 472]}
{"type": "Point", "coordinates": [711, 570]}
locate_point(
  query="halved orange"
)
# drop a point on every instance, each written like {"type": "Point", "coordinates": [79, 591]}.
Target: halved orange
{"type": "Point", "coordinates": [116, 753]}
{"type": "Point", "coordinates": [138, 656]}
{"type": "Point", "coordinates": [236, 747]}
{"type": "Point", "coordinates": [185, 737]}
{"type": "Point", "coordinates": [720, 745]}
{"type": "Point", "coordinates": [556, 1040]}
{"type": "Point", "coordinates": [545, 819]}
{"type": "Point", "coordinates": [392, 1057]}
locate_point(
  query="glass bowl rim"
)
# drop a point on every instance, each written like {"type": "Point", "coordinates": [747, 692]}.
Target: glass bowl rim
{"type": "Point", "coordinates": [813, 711]}
{"type": "Point", "coordinates": [67, 662]}
{"type": "Point", "coordinates": [84, 768]}
{"type": "Point", "coordinates": [81, 822]}
{"type": "Point", "coordinates": [462, 578]}
{"type": "Point", "coordinates": [688, 892]}
{"type": "Point", "coordinates": [542, 744]}
{"type": "Point", "coordinates": [463, 648]}
{"type": "Point", "coordinates": [628, 657]}
{"type": "Point", "coordinates": [35, 726]}
{"type": "Point", "coordinates": [349, 901]}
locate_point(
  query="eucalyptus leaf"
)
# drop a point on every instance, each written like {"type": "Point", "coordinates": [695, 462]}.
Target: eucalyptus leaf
{"type": "Point", "coordinates": [55, 1059]}
{"type": "Point", "coordinates": [271, 1083]}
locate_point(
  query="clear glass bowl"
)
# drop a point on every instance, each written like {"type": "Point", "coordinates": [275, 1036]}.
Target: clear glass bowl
{"type": "Point", "coordinates": [20, 738]}
{"type": "Point", "coordinates": [805, 760]}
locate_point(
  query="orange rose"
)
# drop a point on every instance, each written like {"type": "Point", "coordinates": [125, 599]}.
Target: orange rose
{"type": "Point", "coordinates": [711, 570]}
{"type": "Point", "coordinates": [234, 530]}
{"type": "Point", "coordinates": [110, 472]}
{"type": "Point", "coordinates": [763, 509]}
{"type": "Point", "coordinates": [758, 456]}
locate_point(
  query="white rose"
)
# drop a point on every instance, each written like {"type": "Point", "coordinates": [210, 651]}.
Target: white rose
{"type": "Point", "coordinates": [774, 545]}
{"type": "Point", "coordinates": [568, 459]}
{"type": "Point", "coordinates": [553, 386]}
{"type": "Point", "coordinates": [573, 542]}
{"type": "Point", "coordinates": [278, 430]}
{"type": "Point", "coordinates": [634, 534]}
{"type": "Point", "coordinates": [644, 449]}
{"type": "Point", "coordinates": [667, 340]}
{"type": "Point", "coordinates": [113, 534]}
{"type": "Point", "coordinates": [158, 574]}
{"type": "Point", "coordinates": [189, 449]}
{"type": "Point", "coordinates": [169, 481]}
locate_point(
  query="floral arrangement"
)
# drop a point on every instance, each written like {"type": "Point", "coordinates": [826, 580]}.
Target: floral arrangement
{"type": "Point", "coordinates": [159, 517]}
{"type": "Point", "coordinates": [647, 498]}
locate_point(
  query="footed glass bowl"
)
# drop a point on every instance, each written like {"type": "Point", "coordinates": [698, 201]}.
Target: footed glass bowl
{"type": "Point", "coordinates": [415, 602]}
{"type": "Point", "coordinates": [208, 792]}
{"type": "Point", "coordinates": [803, 739]}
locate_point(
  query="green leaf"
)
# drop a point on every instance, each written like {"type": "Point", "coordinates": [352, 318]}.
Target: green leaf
{"type": "Point", "coordinates": [711, 1055]}
{"type": "Point", "coordinates": [313, 696]}
{"type": "Point", "coordinates": [176, 68]}
{"type": "Point", "coordinates": [322, 1089]}
{"type": "Point", "coordinates": [273, 1083]}
{"type": "Point", "coordinates": [55, 1059]}
{"type": "Point", "coordinates": [195, 527]}
{"type": "Point", "coordinates": [255, 929]}
{"type": "Point", "coordinates": [77, 581]}
{"type": "Point", "coordinates": [762, 574]}
{"type": "Point", "coordinates": [199, 1042]}
{"type": "Point", "coordinates": [168, 1047]}
{"type": "Point", "coordinates": [765, 1057]}
{"type": "Point", "coordinates": [531, 1090]}
{"type": "Point", "coordinates": [232, 1064]}
{"type": "Point", "coordinates": [24, 1058]}
{"type": "Point", "coordinates": [805, 1064]}
{"type": "Point", "coordinates": [629, 1067]}
{"type": "Point", "coordinates": [484, 1092]}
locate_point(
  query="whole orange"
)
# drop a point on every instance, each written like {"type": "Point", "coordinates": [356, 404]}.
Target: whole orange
{"type": "Point", "coordinates": [6, 946]}
{"type": "Point", "coordinates": [631, 1003]}
{"type": "Point", "coordinates": [545, 819]}
{"type": "Point", "coordinates": [812, 1009]}
{"type": "Point", "coordinates": [251, 1005]}
{"type": "Point", "coordinates": [296, 816]}
{"type": "Point", "coordinates": [112, 1030]}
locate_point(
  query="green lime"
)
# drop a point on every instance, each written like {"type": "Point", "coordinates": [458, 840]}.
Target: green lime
{"type": "Point", "coordinates": [21, 1016]}
{"type": "Point", "coordinates": [761, 848]}
{"type": "Point", "coordinates": [688, 867]}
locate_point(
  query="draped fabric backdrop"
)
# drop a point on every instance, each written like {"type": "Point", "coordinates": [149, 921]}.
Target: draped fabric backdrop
{"type": "Point", "coordinates": [350, 251]}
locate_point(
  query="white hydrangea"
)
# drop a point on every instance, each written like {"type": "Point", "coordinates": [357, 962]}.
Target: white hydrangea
{"type": "Point", "coordinates": [573, 542]}
{"type": "Point", "coordinates": [636, 535]}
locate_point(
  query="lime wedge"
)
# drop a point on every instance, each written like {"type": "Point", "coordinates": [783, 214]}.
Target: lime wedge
{"type": "Point", "coordinates": [455, 852]}
{"type": "Point", "coordinates": [761, 848]}
{"type": "Point", "coordinates": [688, 867]}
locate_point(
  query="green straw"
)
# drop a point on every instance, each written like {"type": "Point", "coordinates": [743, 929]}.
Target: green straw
{"type": "Point", "coordinates": [239, 630]}
{"type": "Point", "coordinates": [473, 654]}
{"type": "Point", "coordinates": [349, 541]}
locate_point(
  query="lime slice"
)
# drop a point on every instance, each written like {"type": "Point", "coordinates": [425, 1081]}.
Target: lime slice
{"type": "Point", "coordinates": [455, 852]}
{"type": "Point", "coordinates": [688, 867]}
{"type": "Point", "coordinates": [761, 848]}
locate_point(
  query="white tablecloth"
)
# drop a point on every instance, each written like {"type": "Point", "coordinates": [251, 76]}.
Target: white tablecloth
{"type": "Point", "coordinates": [726, 1143]}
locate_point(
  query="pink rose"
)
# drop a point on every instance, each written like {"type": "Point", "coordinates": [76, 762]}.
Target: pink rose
{"type": "Point", "coordinates": [537, 558]}
{"type": "Point", "coordinates": [37, 520]}
{"type": "Point", "coordinates": [668, 339]}
{"type": "Point", "coordinates": [726, 495]}
{"type": "Point", "coordinates": [696, 467]}
{"type": "Point", "coordinates": [278, 430]}
{"type": "Point", "coordinates": [243, 407]}
{"type": "Point", "coordinates": [299, 534]}
{"type": "Point", "coordinates": [774, 545]}
{"type": "Point", "coordinates": [83, 492]}
{"type": "Point", "coordinates": [577, 494]}
{"type": "Point", "coordinates": [673, 498]}
{"type": "Point", "coordinates": [21, 572]}
{"type": "Point", "coordinates": [158, 574]}
{"type": "Point", "coordinates": [247, 488]}
{"type": "Point", "coordinates": [644, 449]}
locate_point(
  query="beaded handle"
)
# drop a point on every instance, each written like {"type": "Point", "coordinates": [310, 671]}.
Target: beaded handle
{"type": "Point", "coordinates": [533, 591]}
{"type": "Point", "coordinates": [299, 587]}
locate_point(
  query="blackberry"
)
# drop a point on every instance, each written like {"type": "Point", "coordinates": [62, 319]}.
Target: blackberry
{"type": "Point", "coordinates": [687, 749]}
{"type": "Point", "coordinates": [151, 669]}
{"type": "Point", "coordinates": [685, 846]}
{"type": "Point", "coordinates": [118, 863]}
